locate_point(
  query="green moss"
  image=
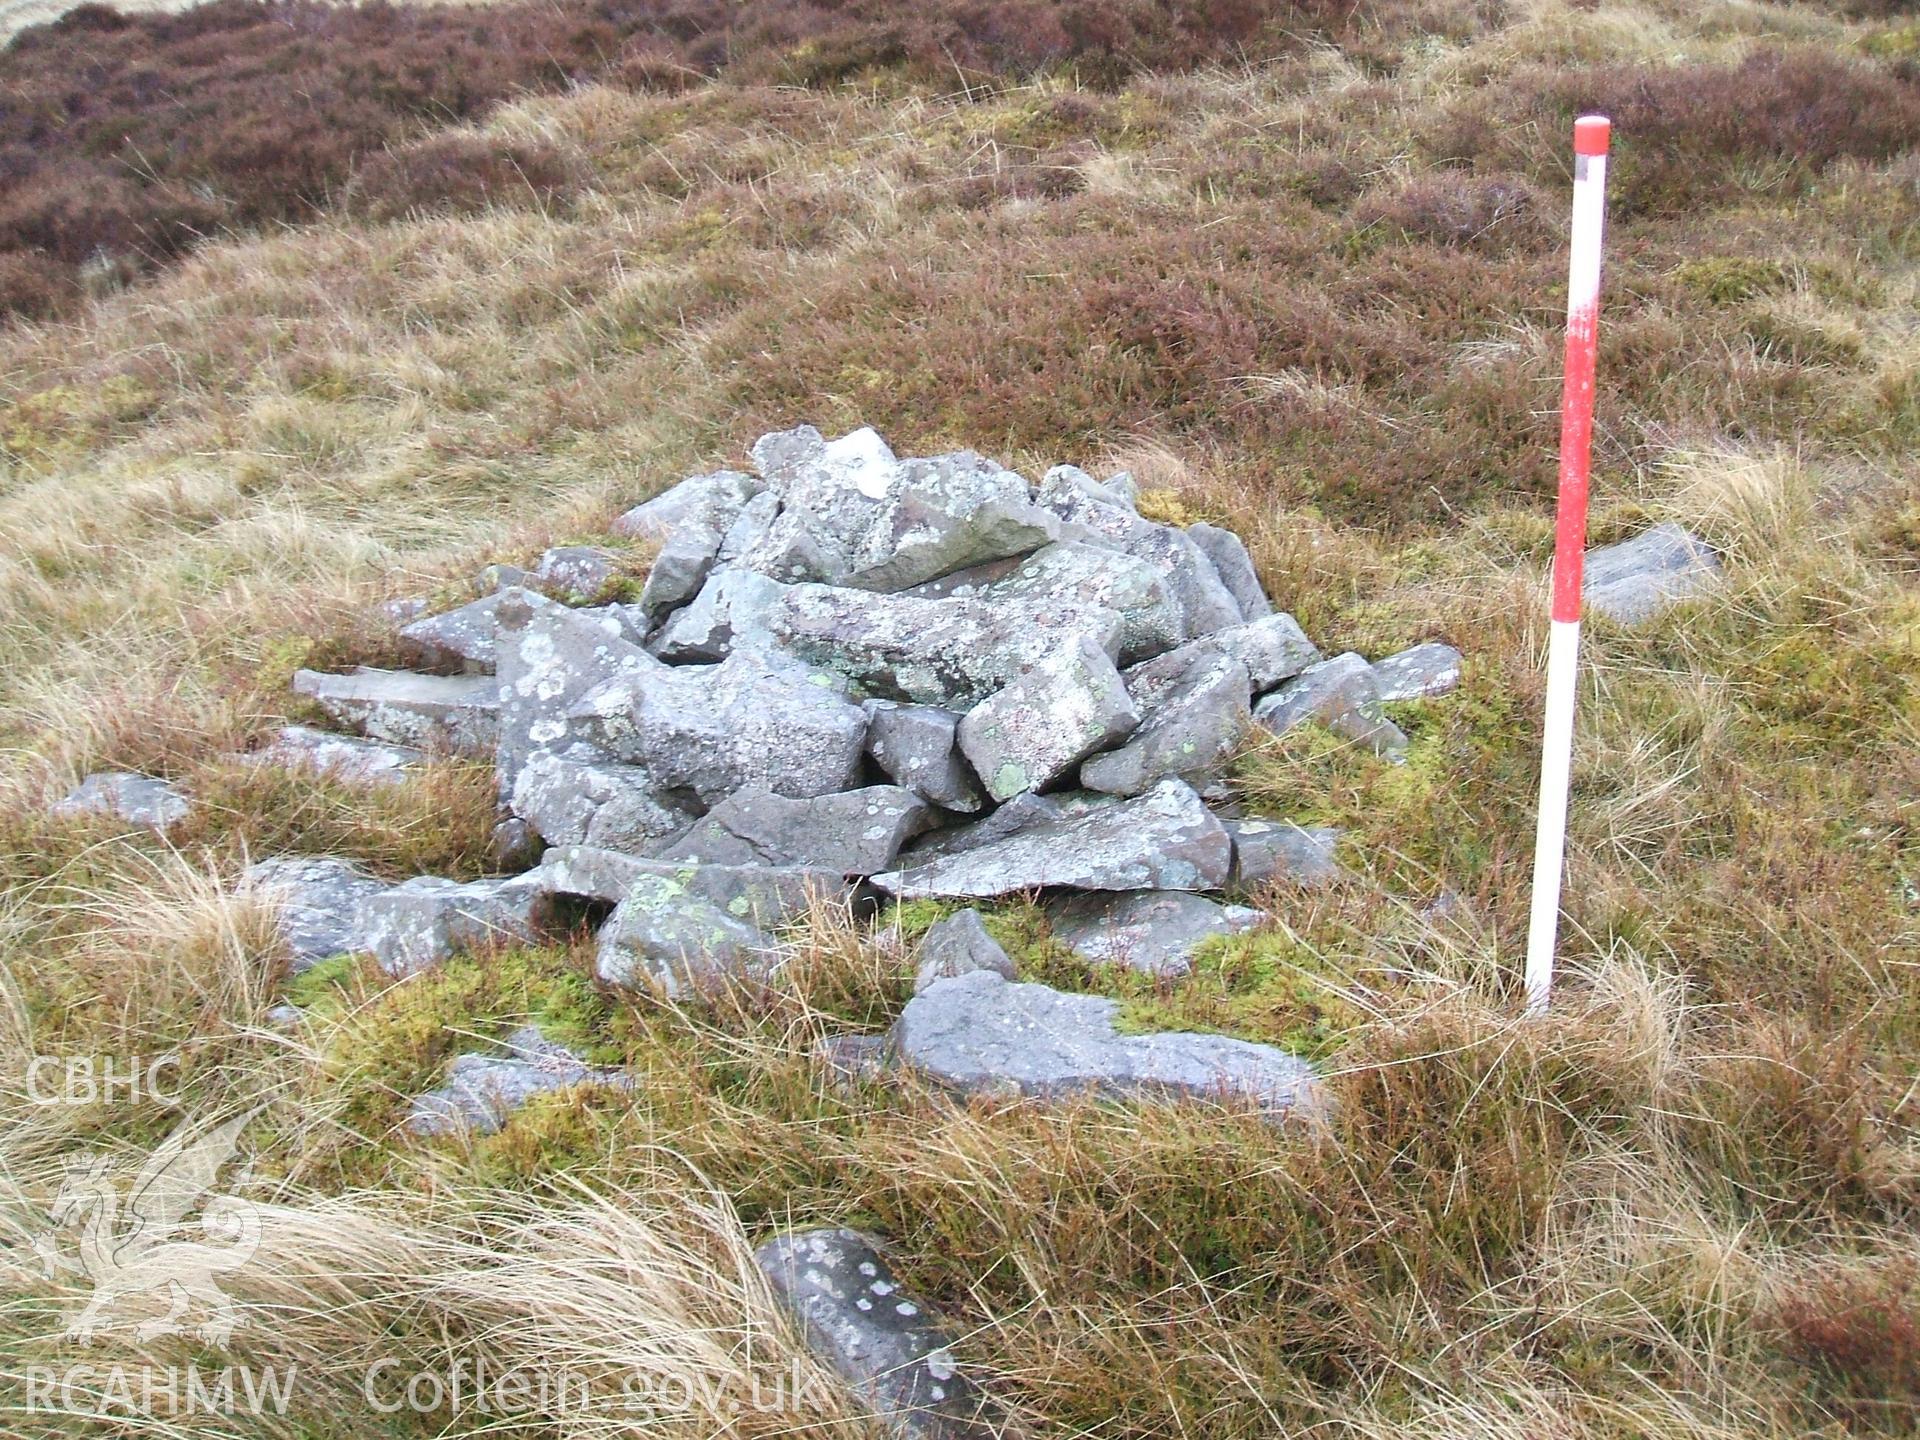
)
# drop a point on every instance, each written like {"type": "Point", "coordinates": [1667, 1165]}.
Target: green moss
{"type": "Point", "coordinates": [1262, 986]}
{"type": "Point", "coordinates": [320, 989]}
{"type": "Point", "coordinates": [1729, 279]}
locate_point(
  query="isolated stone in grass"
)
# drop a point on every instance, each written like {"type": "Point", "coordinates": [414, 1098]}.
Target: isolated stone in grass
{"type": "Point", "coordinates": [1273, 648]}
{"type": "Point", "coordinates": [758, 717]}
{"type": "Point", "coordinates": [1163, 840]}
{"type": "Point", "coordinates": [1418, 671]}
{"type": "Point", "coordinates": [885, 1344]}
{"type": "Point", "coordinates": [762, 895]}
{"type": "Point", "coordinates": [136, 799]}
{"type": "Point", "coordinates": [1190, 730]}
{"type": "Point", "coordinates": [1636, 579]}
{"type": "Point", "coordinates": [1234, 566]}
{"type": "Point", "coordinates": [855, 832]}
{"type": "Point", "coordinates": [319, 904]}
{"type": "Point", "coordinates": [346, 758]}
{"type": "Point", "coordinates": [1152, 930]}
{"type": "Point", "coordinates": [459, 713]}
{"type": "Point", "coordinates": [1078, 574]}
{"type": "Point", "coordinates": [1068, 705]}
{"type": "Point", "coordinates": [851, 1060]}
{"type": "Point", "coordinates": [575, 574]}
{"type": "Point", "coordinates": [664, 934]}
{"type": "Point", "coordinates": [1279, 850]}
{"type": "Point", "coordinates": [420, 922]}
{"type": "Point", "coordinates": [712, 500]}
{"type": "Point", "coordinates": [1341, 694]}
{"type": "Point", "coordinates": [918, 748]}
{"type": "Point", "coordinates": [952, 652]}
{"type": "Point", "coordinates": [483, 1091]}
{"type": "Point", "coordinates": [578, 797]}
{"type": "Point", "coordinates": [732, 612]}
{"type": "Point", "coordinates": [979, 1034]}
{"type": "Point", "coordinates": [958, 945]}
{"type": "Point", "coordinates": [463, 637]}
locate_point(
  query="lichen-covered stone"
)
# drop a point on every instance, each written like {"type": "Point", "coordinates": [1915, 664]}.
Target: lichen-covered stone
{"type": "Point", "coordinates": [733, 611]}
{"type": "Point", "coordinates": [917, 746]}
{"type": "Point", "coordinates": [958, 945]}
{"type": "Point", "coordinates": [1235, 568]}
{"type": "Point", "coordinates": [1273, 648]}
{"type": "Point", "coordinates": [1269, 851]}
{"type": "Point", "coordinates": [1152, 930]}
{"type": "Point", "coordinates": [711, 500]}
{"type": "Point", "coordinates": [139, 800]}
{"type": "Point", "coordinates": [1191, 730]}
{"type": "Point", "coordinates": [1163, 840]}
{"type": "Point", "coordinates": [318, 903]}
{"type": "Point", "coordinates": [575, 574]}
{"type": "Point", "coordinates": [951, 653]}
{"type": "Point", "coordinates": [578, 797]}
{"type": "Point", "coordinates": [1636, 579]}
{"type": "Point", "coordinates": [1341, 694]}
{"type": "Point", "coordinates": [482, 1091]}
{"type": "Point", "coordinates": [346, 758]}
{"type": "Point", "coordinates": [420, 922]}
{"type": "Point", "coordinates": [1019, 813]}
{"type": "Point", "coordinates": [1078, 574]}
{"type": "Point", "coordinates": [1066, 706]}
{"type": "Point", "coordinates": [663, 934]}
{"type": "Point", "coordinates": [463, 638]}
{"type": "Point", "coordinates": [884, 1343]}
{"type": "Point", "coordinates": [440, 713]}
{"type": "Point", "coordinates": [681, 568]}
{"type": "Point", "coordinates": [979, 1034]}
{"type": "Point", "coordinates": [1418, 671]}
{"type": "Point", "coordinates": [855, 832]}
{"type": "Point", "coordinates": [761, 895]}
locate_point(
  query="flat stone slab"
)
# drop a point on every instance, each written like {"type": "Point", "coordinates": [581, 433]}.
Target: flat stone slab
{"type": "Point", "coordinates": [1340, 694]}
{"type": "Point", "coordinates": [952, 653]}
{"type": "Point", "coordinates": [760, 895]}
{"type": "Point", "coordinates": [733, 611]}
{"type": "Point", "coordinates": [1635, 580]}
{"type": "Point", "coordinates": [980, 1035]}
{"type": "Point", "coordinates": [439, 713]}
{"type": "Point", "coordinates": [417, 924]}
{"type": "Point", "coordinates": [1191, 730]}
{"type": "Point", "coordinates": [1162, 840]}
{"type": "Point", "coordinates": [712, 500]}
{"type": "Point", "coordinates": [959, 945]}
{"type": "Point", "coordinates": [1418, 671]}
{"type": "Point", "coordinates": [483, 1091]}
{"type": "Point", "coordinates": [141, 800]}
{"type": "Point", "coordinates": [1027, 736]}
{"type": "Point", "coordinates": [1152, 930]}
{"type": "Point", "coordinates": [854, 832]}
{"type": "Point", "coordinates": [1267, 851]}
{"type": "Point", "coordinates": [346, 758]}
{"type": "Point", "coordinates": [319, 903]}
{"type": "Point", "coordinates": [1273, 648]}
{"type": "Point", "coordinates": [884, 1343]}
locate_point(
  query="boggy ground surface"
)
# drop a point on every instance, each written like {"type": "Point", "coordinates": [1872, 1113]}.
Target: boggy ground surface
{"type": "Point", "coordinates": [1308, 287]}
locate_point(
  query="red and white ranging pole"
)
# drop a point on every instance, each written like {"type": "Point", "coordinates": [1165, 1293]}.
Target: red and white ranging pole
{"type": "Point", "coordinates": [1590, 134]}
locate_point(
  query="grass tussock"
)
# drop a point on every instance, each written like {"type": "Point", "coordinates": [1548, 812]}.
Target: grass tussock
{"type": "Point", "coordinates": [1313, 297]}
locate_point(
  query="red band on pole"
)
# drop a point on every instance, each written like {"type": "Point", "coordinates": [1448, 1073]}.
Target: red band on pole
{"type": "Point", "coordinates": [1590, 134]}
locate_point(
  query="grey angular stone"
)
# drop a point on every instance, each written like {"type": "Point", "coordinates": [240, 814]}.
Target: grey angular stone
{"type": "Point", "coordinates": [916, 745]}
{"type": "Point", "coordinates": [781, 455]}
{"type": "Point", "coordinates": [887, 1347]}
{"type": "Point", "coordinates": [790, 551]}
{"type": "Point", "coordinates": [577, 797]}
{"type": "Point", "coordinates": [1152, 930]}
{"type": "Point", "coordinates": [549, 659]}
{"type": "Point", "coordinates": [345, 758]}
{"type": "Point", "coordinates": [1265, 851]}
{"type": "Point", "coordinates": [1086, 503]}
{"type": "Point", "coordinates": [1273, 648]}
{"type": "Point", "coordinates": [318, 901]}
{"type": "Point", "coordinates": [749, 527]}
{"type": "Point", "coordinates": [420, 922]}
{"type": "Point", "coordinates": [1418, 671]}
{"type": "Point", "coordinates": [1635, 580]}
{"type": "Point", "coordinates": [482, 1091]}
{"type": "Point", "coordinates": [760, 895]}
{"type": "Point", "coordinates": [1191, 731]}
{"type": "Point", "coordinates": [1075, 573]}
{"type": "Point", "coordinates": [1019, 813]}
{"type": "Point", "coordinates": [681, 568]}
{"type": "Point", "coordinates": [1206, 605]}
{"type": "Point", "coordinates": [662, 934]}
{"type": "Point", "coordinates": [575, 574]}
{"type": "Point", "coordinates": [856, 832]}
{"type": "Point", "coordinates": [1052, 716]}
{"type": "Point", "coordinates": [952, 653]}
{"type": "Point", "coordinates": [514, 844]}
{"type": "Point", "coordinates": [978, 1034]}
{"type": "Point", "coordinates": [944, 514]}
{"type": "Point", "coordinates": [732, 612]}
{"type": "Point", "coordinates": [402, 608]}
{"type": "Point", "coordinates": [136, 799]}
{"type": "Point", "coordinates": [463, 638]}
{"type": "Point", "coordinates": [959, 945]}
{"type": "Point", "coordinates": [1163, 840]}
{"type": "Point", "coordinates": [711, 500]}
{"type": "Point", "coordinates": [852, 1060]}
{"type": "Point", "coordinates": [1234, 565]}
{"type": "Point", "coordinates": [1341, 694]}
{"type": "Point", "coordinates": [758, 717]}
{"type": "Point", "coordinates": [438, 713]}
{"type": "Point", "coordinates": [500, 577]}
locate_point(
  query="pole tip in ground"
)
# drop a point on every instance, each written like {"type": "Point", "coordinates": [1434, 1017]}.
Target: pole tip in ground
{"type": "Point", "coordinates": [1590, 134]}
